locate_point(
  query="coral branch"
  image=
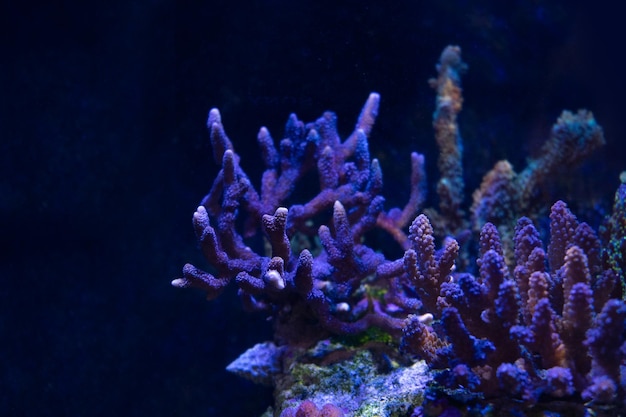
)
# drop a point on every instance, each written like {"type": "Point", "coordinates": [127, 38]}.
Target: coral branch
{"type": "Point", "coordinates": [449, 104]}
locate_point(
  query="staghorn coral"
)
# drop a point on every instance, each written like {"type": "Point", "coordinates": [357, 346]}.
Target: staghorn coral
{"type": "Point", "coordinates": [548, 346]}
{"type": "Point", "coordinates": [329, 290]}
{"type": "Point", "coordinates": [449, 103]}
{"type": "Point", "coordinates": [525, 328]}
{"type": "Point", "coordinates": [505, 195]}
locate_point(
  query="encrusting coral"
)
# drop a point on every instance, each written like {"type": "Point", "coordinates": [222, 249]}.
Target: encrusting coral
{"type": "Point", "coordinates": [535, 324]}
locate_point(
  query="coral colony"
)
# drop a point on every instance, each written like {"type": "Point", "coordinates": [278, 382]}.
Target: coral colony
{"type": "Point", "coordinates": [524, 326]}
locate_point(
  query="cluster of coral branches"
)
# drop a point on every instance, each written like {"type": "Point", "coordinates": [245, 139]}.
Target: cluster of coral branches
{"type": "Point", "coordinates": [532, 323]}
{"type": "Point", "coordinates": [548, 328]}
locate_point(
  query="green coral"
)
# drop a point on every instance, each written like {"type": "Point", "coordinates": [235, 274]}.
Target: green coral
{"type": "Point", "coordinates": [357, 383]}
{"type": "Point", "coordinates": [613, 232]}
{"type": "Point", "coordinates": [373, 334]}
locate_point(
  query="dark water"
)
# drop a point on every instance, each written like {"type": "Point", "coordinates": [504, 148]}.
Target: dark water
{"type": "Point", "coordinates": [105, 157]}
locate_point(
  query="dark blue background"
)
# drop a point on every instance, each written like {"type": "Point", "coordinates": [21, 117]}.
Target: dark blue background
{"type": "Point", "coordinates": [105, 157]}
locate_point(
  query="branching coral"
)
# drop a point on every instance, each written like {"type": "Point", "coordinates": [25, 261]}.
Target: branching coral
{"type": "Point", "coordinates": [530, 325]}
{"type": "Point", "coordinates": [329, 290]}
{"type": "Point", "coordinates": [448, 105]}
{"type": "Point", "coordinates": [547, 345]}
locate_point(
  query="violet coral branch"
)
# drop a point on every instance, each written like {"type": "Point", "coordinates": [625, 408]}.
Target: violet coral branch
{"type": "Point", "coordinates": [330, 289]}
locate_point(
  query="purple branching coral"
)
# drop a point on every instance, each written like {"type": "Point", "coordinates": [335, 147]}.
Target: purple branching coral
{"type": "Point", "coordinates": [534, 322]}
{"type": "Point", "coordinates": [332, 290]}
{"type": "Point", "coordinates": [535, 331]}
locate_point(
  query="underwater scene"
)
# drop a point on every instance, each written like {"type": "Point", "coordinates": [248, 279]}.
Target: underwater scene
{"type": "Point", "coordinates": [313, 209]}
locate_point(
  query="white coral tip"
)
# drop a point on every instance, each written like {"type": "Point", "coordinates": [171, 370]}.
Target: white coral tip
{"type": "Point", "coordinates": [274, 279]}
{"type": "Point", "coordinates": [179, 283]}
